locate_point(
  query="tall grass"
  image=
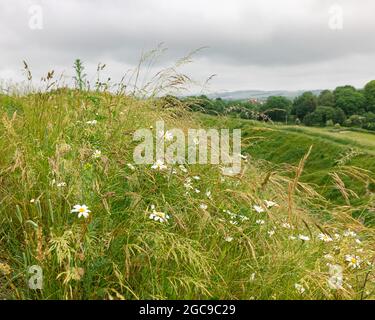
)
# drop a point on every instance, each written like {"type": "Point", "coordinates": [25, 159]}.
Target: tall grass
{"type": "Point", "coordinates": [227, 250]}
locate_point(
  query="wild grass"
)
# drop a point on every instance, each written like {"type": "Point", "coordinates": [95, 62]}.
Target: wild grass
{"type": "Point", "coordinates": [227, 250]}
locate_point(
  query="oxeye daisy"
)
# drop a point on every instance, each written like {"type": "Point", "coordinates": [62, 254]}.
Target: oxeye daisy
{"type": "Point", "coordinates": [303, 238]}
{"type": "Point", "coordinates": [97, 154]}
{"type": "Point", "coordinates": [158, 215]}
{"type": "Point", "coordinates": [260, 221]}
{"type": "Point", "coordinates": [353, 261]}
{"type": "Point", "coordinates": [203, 206]}
{"type": "Point", "coordinates": [228, 239]}
{"type": "Point", "coordinates": [270, 204]}
{"type": "Point", "coordinates": [82, 210]}
{"type": "Point", "coordinates": [159, 165]}
{"type": "Point", "coordinates": [324, 237]}
{"type": "Point", "coordinates": [258, 209]}
{"type": "Point", "coordinates": [300, 288]}
{"type": "Point", "coordinates": [92, 122]}
{"type": "Point", "coordinates": [131, 167]}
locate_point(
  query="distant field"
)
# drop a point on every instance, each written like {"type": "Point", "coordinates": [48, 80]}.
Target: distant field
{"type": "Point", "coordinates": [363, 140]}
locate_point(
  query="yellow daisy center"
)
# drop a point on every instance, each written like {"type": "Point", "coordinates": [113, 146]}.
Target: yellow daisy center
{"type": "Point", "coordinates": [81, 210]}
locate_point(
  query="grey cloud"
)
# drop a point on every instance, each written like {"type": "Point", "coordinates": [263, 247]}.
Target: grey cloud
{"type": "Point", "coordinates": [261, 36]}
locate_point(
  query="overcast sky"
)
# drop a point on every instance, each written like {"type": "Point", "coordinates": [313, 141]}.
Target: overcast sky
{"type": "Point", "coordinates": [251, 44]}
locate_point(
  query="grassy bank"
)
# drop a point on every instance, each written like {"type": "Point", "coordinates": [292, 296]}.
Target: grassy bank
{"type": "Point", "coordinates": [216, 236]}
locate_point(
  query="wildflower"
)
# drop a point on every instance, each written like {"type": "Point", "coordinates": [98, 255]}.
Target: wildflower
{"type": "Point", "coordinates": [324, 237]}
{"type": "Point", "coordinates": [228, 239]}
{"type": "Point", "coordinates": [271, 233]}
{"type": "Point", "coordinates": [300, 288]}
{"type": "Point", "coordinates": [5, 269]}
{"type": "Point", "coordinates": [196, 177]}
{"type": "Point", "coordinates": [92, 122]}
{"type": "Point", "coordinates": [61, 184]}
{"type": "Point", "coordinates": [188, 184]}
{"type": "Point", "coordinates": [292, 238]}
{"type": "Point", "coordinates": [303, 238]}
{"type": "Point", "coordinates": [357, 241]}
{"type": "Point", "coordinates": [252, 276]}
{"type": "Point", "coordinates": [353, 261]}
{"type": "Point", "coordinates": [32, 201]}
{"type": "Point", "coordinates": [82, 210]}
{"type": "Point", "coordinates": [159, 165]}
{"type": "Point", "coordinates": [349, 233]}
{"type": "Point", "coordinates": [286, 225]}
{"type": "Point", "coordinates": [168, 136]}
{"type": "Point", "coordinates": [203, 206]}
{"type": "Point", "coordinates": [270, 204]}
{"type": "Point", "coordinates": [197, 191]}
{"type": "Point", "coordinates": [97, 154]}
{"type": "Point", "coordinates": [258, 209]}
{"type": "Point", "coordinates": [208, 194]}
{"type": "Point", "coordinates": [182, 168]}
{"type": "Point", "coordinates": [337, 236]}
{"type": "Point", "coordinates": [131, 167]}
{"type": "Point", "coordinates": [158, 216]}
{"type": "Point", "coordinates": [335, 280]}
{"type": "Point", "coordinates": [260, 221]}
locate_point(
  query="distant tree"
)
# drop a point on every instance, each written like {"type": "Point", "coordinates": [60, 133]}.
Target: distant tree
{"type": "Point", "coordinates": [369, 93]}
{"type": "Point", "coordinates": [304, 104]}
{"type": "Point", "coordinates": [276, 108]}
{"type": "Point", "coordinates": [350, 100]}
{"type": "Point", "coordinates": [326, 98]}
{"type": "Point", "coordinates": [323, 115]}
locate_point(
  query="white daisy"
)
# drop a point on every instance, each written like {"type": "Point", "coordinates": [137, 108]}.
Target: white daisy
{"type": "Point", "coordinates": [303, 238]}
{"type": "Point", "coordinates": [97, 154]}
{"type": "Point", "coordinates": [228, 239]}
{"type": "Point", "coordinates": [324, 237]}
{"type": "Point", "coordinates": [271, 233]}
{"type": "Point", "coordinates": [61, 184]}
{"type": "Point", "coordinates": [349, 233]}
{"type": "Point", "coordinates": [196, 177]}
{"type": "Point", "coordinates": [82, 210]}
{"type": "Point", "coordinates": [300, 288]}
{"type": "Point", "coordinates": [286, 225]}
{"type": "Point", "coordinates": [258, 209]}
{"type": "Point", "coordinates": [270, 204]}
{"type": "Point", "coordinates": [208, 194]}
{"type": "Point", "coordinates": [260, 221]}
{"type": "Point", "coordinates": [203, 206]}
{"type": "Point", "coordinates": [353, 261]}
{"type": "Point", "coordinates": [158, 216]}
{"type": "Point", "coordinates": [159, 165]}
{"type": "Point", "coordinates": [92, 122]}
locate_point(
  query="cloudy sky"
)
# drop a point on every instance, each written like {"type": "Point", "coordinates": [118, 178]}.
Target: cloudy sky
{"type": "Point", "coordinates": [250, 44]}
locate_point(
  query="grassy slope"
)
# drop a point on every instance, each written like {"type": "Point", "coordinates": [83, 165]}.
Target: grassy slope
{"type": "Point", "coordinates": [119, 252]}
{"type": "Point", "coordinates": [287, 145]}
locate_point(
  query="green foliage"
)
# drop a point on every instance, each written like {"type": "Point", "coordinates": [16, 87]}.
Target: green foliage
{"type": "Point", "coordinates": [304, 104]}
{"type": "Point", "coordinates": [326, 98]}
{"type": "Point", "coordinates": [350, 100]}
{"type": "Point", "coordinates": [277, 108]}
{"type": "Point", "coordinates": [369, 93]}
{"type": "Point", "coordinates": [80, 76]}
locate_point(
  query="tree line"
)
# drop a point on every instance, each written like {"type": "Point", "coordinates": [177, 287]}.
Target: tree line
{"type": "Point", "coordinates": [344, 106]}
